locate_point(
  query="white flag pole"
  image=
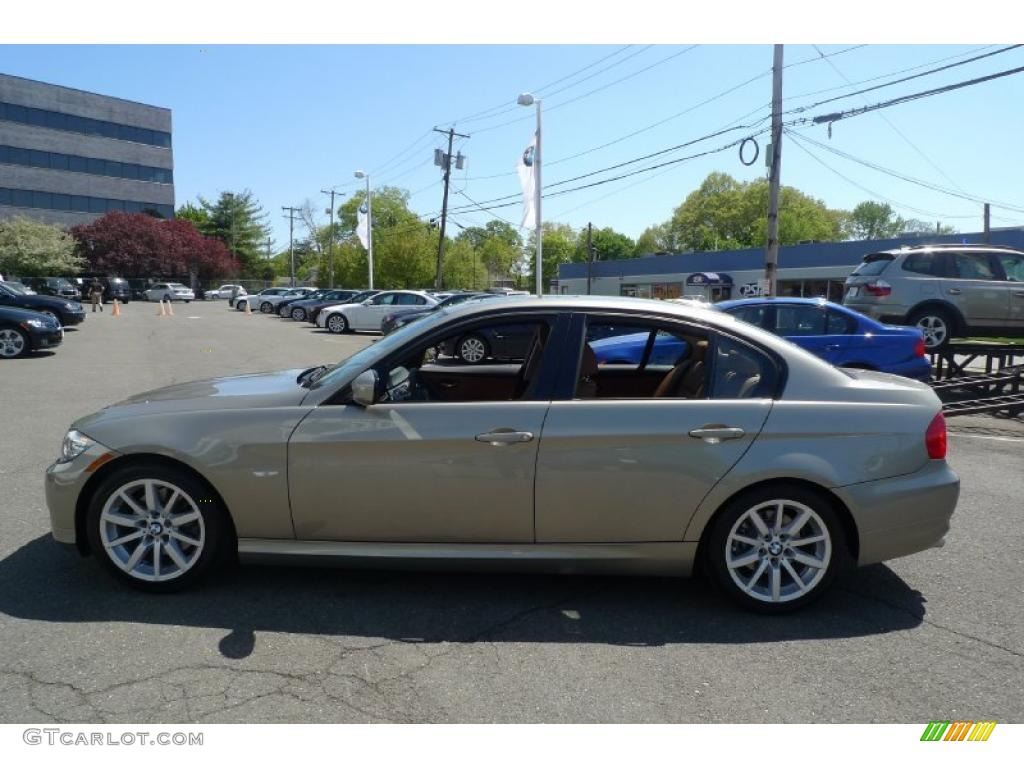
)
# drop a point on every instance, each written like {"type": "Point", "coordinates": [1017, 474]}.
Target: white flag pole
{"type": "Point", "coordinates": [540, 234]}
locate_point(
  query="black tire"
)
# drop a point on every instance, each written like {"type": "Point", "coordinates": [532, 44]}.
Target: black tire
{"type": "Point", "coordinates": [298, 314]}
{"type": "Point", "coordinates": [240, 305]}
{"type": "Point", "coordinates": [266, 307]}
{"type": "Point", "coordinates": [472, 349]}
{"type": "Point", "coordinates": [217, 533]}
{"type": "Point", "coordinates": [15, 344]}
{"type": "Point", "coordinates": [930, 320]}
{"type": "Point", "coordinates": [337, 323]}
{"type": "Point", "coordinates": [834, 553]}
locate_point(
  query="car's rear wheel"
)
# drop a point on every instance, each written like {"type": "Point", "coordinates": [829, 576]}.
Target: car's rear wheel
{"type": "Point", "coordinates": [298, 314]}
{"type": "Point", "coordinates": [155, 527]}
{"type": "Point", "coordinates": [13, 342]}
{"type": "Point", "coordinates": [266, 307]}
{"type": "Point", "coordinates": [776, 549]}
{"type": "Point", "coordinates": [337, 324]}
{"type": "Point", "coordinates": [936, 325]}
{"type": "Point", "coordinates": [472, 349]}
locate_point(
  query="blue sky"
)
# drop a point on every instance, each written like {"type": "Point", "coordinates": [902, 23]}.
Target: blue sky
{"type": "Point", "coordinates": [286, 121]}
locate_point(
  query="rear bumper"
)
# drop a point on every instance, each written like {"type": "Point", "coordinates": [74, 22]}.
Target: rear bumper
{"type": "Point", "coordinates": [884, 313]}
{"type": "Point", "coordinates": [902, 515]}
{"type": "Point", "coordinates": [918, 368]}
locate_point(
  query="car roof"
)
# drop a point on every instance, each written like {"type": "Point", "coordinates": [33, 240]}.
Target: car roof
{"type": "Point", "coordinates": [816, 301]}
{"type": "Point", "coordinates": [981, 247]}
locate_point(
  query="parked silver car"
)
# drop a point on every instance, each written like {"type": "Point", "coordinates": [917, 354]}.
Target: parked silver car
{"type": "Point", "coordinates": [267, 303]}
{"type": "Point", "coordinates": [729, 446]}
{"type": "Point", "coordinates": [945, 290]}
{"type": "Point", "coordinates": [369, 315]}
{"type": "Point", "coordinates": [170, 292]}
{"type": "Point", "coordinates": [253, 300]}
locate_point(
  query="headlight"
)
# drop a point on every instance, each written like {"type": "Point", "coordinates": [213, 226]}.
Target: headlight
{"type": "Point", "coordinates": [74, 445]}
{"type": "Point", "coordinates": [70, 305]}
{"type": "Point", "coordinates": [35, 323]}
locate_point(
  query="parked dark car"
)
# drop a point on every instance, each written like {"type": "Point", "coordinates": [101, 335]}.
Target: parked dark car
{"type": "Point", "coordinates": [313, 311]}
{"type": "Point", "coordinates": [65, 311]}
{"type": "Point", "coordinates": [284, 306]}
{"type": "Point", "coordinates": [838, 334]}
{"type": "Point", "coordinates": [23, 331]}
{"type": "Point", "coordinates": [391, 322]}
{"type": "Point", "coordinates": [300, 310]}
{"type": "Point", "coordinates": [60, 287]}
{"type": "Point", "coordinates": [138, 287]}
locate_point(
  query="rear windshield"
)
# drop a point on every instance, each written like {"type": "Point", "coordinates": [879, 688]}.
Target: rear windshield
{"type": "Point", "coordinates": [116, 280]}
{"type": "Point", "coordinates": [874, 264]}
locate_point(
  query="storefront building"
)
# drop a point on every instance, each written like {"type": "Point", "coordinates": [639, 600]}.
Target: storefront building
{"type": "Point", "coordinates": [810, 269]}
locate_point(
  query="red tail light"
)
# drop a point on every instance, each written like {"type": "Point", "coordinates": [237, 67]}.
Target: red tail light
{"type": "Point", "coordinates": [935, 437]}
{"type": "Point", "coordinates": [919, 348]}
{"type": "Point", "coordinates": [878, 288]}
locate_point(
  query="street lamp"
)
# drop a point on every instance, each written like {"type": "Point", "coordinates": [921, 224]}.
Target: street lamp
{"type": "Point", "coordinates": [526, 100]}
{"type": "Point", "coordinates": [369, 222]}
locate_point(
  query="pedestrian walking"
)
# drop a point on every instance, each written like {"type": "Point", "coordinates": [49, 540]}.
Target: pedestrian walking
{"type": "Point", "coordinates": [96, 294]}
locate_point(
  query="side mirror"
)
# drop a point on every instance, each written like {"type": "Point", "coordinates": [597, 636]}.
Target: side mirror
{"type": "Point", "coordinates": [364, 388]}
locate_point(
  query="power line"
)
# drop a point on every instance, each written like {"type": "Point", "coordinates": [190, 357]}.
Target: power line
{"type": "Point", "coordinates": [404, 153]}
{"type": "Point", "coordinates": [905, 177]}
{"type": "Point", "coordinates": [812, 59]}
{"type": "Point", "coordinates": [897, 130]}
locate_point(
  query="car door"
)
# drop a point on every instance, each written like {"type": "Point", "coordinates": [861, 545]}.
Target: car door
{"type": "Point", "coordinates": [369, 316]}
{"type": "Point", "coordinates": [1012, 265]}
{"type": "Point", "coordinates": [458, 469]}
{"type": "Point", "coordinates": [809, 326]}
{"type": "Point", "coordinates": [982, 296]}
{"type": "Point", "coordinates": [635, 468]}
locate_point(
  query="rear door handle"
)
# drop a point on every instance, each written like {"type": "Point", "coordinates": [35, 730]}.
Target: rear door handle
{"type": "Point", "coordinates": [832, 347]}
{"type": "Point", "coordinates": [716, 433]}
{"type": "Point", "coordinates": [504, 436]}
{"type": "Point", "coordinates": [1019, 294]}
{"type": "Point", "coordinates": [955, 291]}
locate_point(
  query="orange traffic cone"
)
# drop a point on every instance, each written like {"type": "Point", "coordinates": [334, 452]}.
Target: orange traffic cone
{"type": "Point", "coordinates": [116, 312]}
{"type": "Point", "coordinates": [247, 310]}
{"type": "Point", "coordinates": [161, 312]}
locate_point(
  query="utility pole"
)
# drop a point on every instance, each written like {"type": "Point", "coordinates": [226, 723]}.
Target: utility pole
{"type": "Point", "coordinates": [330, 246]}
{"type": "Point", "coordinates": [291, 236]}
{"type": "Point", "coordinates": [988, 222]}
{"type": "Point", "coordinates": [590, 253]}
{"type": "Point", "coordinates": [771, 263]}
{"type": "Point", "coordinates": [445, 161]}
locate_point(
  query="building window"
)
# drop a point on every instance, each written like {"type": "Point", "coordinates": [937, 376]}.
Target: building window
{"type": "Point", "coordinates": [61, 121]}
{"type": "Point", "coordinates": [61, 162]}
{"type": "Point", "coordinates": [27, 198]}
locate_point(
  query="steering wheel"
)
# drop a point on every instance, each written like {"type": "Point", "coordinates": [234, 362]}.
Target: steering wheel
{"type": "Point", "coordinates": [403, 385]}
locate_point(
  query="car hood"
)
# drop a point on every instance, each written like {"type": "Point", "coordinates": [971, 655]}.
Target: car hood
{"type": "Point", "coordinates": [258, 390]}
{"type": "Point", "coordinates": [44, 302]}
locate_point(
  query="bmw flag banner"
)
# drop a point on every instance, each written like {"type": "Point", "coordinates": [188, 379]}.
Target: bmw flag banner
{"type": "Point", "coordinates": [528, 178]}
{"type": "Point", "coordinates": [362, 226]}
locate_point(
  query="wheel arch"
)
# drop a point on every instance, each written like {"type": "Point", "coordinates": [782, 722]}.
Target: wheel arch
{"type": "Point", "coordinates": [850, 532]}
{"type": "Point", "coordinates": [125, 460]}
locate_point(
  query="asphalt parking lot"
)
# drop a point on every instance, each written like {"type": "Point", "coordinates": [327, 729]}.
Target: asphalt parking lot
{"type": "Point", "coordinates": [933, 636]}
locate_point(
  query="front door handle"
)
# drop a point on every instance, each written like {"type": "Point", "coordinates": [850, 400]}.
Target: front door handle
{"type": "Point", "coordinates": [716, 433]}
{"type": "Point", "coordinates": [504, 436]}
{"type": "Point", "coordinates": [832, 347]}
{"type": "Point", "coordinates": [955, 291]}
{"type": "Point", "coordinates": [1019, 294]}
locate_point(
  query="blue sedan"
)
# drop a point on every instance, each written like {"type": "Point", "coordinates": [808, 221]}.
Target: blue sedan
{"type": "Point", "coordinates": [837, 334]}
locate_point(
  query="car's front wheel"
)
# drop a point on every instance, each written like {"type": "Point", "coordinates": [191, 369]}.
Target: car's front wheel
{"type": "Point", "coordinates": [155, 527]}
{"type": "Point", "coordinates": [337, 324]}
{"type": "Point", "coordinates": [298, 314]}
{"type": "Point", "coordinates": [266, 307]}
{"type": "Point", "coordinates": [777, 548]}
{"type": "Point", "coordinates": [936, 325]}
{"type": "Point", "coordinates": [13, 342]}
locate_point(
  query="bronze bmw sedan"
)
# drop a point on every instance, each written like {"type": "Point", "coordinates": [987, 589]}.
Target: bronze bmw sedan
{"type": "Point", "coordinates": [624, 435]}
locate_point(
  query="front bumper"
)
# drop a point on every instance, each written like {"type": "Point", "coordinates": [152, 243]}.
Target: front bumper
{"type": "Point", "coordinates": [64, 483]}
{"type": "Point", "coordinates": [902, 515]}
{"type": "Point", "coordinates": [69, 317]}
{"type": "Point", "coordinates": [46, 338]}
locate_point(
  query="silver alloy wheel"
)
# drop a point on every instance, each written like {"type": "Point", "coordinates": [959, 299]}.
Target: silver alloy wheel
{"type": "Point", "coordinates": [12, 342]}
{"type": "Point", "coordinates": [266, 307]}
{"type": "Point", "coordinates": [336, 324]}
{"type": "Point", "coordinates": [472, 349]}
{"type": "Point", "coordinates": [934, 329]}
{"type": "Point", "coordinates": [298, 314]}
{"type": "Point", "coordinates": [778, 551]}
{"type": "Point", "coordinates": [152, 530]}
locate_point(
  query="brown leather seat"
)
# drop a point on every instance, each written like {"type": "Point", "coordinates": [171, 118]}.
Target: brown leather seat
{"type": "Point", "coordinates": [586, 387]}
{"type": "Point", "coordinates": [687, 378]}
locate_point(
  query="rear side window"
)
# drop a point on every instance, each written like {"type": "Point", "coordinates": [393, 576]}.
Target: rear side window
{"type": "Point", "coordinates": [933, 264]}
{"type": "Point", "coordinates": [799, 320]}
{"type": "Point", "coordinates": [1013, 265]}
{"type": "Point", "coordinates": [973, 266]}
{"type": "Point", "coordinates": [839, 324]}
{"type": "Point", "coordinates": [874, 264]}
{"type": "Point", "coordinates": [756, 314]}
{"type": "Point", "coordinates": [738, 371]}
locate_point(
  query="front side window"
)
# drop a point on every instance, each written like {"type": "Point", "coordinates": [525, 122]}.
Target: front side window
{"type": "Point", "coordinates": [384, 299]}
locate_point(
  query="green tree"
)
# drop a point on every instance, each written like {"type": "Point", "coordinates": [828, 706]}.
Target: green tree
{"type": "Point", "coordinates": [463, 267]}
{"type": "Point", "coordinates": [238, 220]}
{"type": "Point", "coordinates": [498, 247]}
{"type": "Point", "coordinates": [194, 213]}
{"type": "Point", "coordinates": [559, 247]}
{"type": "Point", "coordinates": [918, 225]}
{"type": "Point", "coordinates": [724, 213]}
{"type": "Point", "coordinates": [30, 248]}
{"type": "Point", "coordinates": [654, 239]}
{"type": "Point", "coordinates": [871, 220]}
{"type": "Point", "coordinates": [608, 245]}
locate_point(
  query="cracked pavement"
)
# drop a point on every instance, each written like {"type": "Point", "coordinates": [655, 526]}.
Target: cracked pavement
{"type": "Point", "coordinates": [936, 635]}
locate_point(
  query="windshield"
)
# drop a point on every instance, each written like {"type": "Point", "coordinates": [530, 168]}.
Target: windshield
{"type": "Point", "coordinates": [350, 367]}
{"type": "Point", "coordinates": [15, 287]}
